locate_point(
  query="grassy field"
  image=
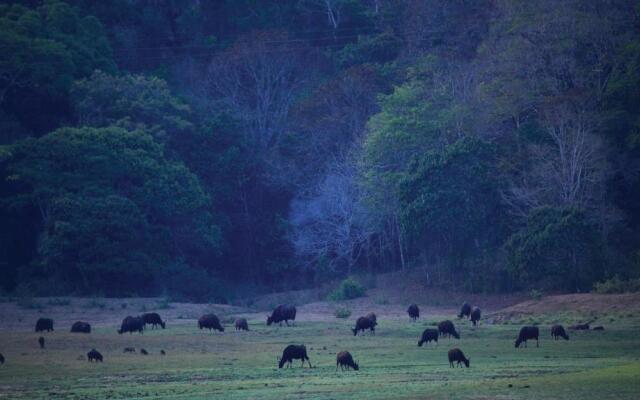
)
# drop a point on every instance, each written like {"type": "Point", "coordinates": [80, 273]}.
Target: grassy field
{"type": "Point", "coordinates": [243, 365]}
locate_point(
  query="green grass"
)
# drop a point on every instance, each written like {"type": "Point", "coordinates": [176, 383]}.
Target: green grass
{"type": "Point", "coordinates": [240, 365]}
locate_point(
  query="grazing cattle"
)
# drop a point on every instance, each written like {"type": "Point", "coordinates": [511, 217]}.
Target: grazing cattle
{"type": "Point", "coordinates": [144, 352]}
{"type": "Point", "coordinates": [580, 327]}
{"type": "Point", "coordinates": [44, 324]}
{"type": "Point", "coordinates": [162, 352]}
{"type": "Point", "coordinates": [129, 350]}
{"type": "Point", "coordinates": [475, 315]}
{"type": "Point", "coordinates": [598, 328]}
{"type": "Point", "coordinates": [465, 310]}
{"type": "Point", "coordinates": [558, 331]}
{"type": "Point", "coordinates": [456, 355]}
{"type": "Point", "coordinates": [94, 355]}
{"type": "Point", "coordinates": [344, 359]}
{"type": "Point", "coordinates": [132, 324]}
{"type": "Point", "coordinates": [80, 327]}
{"type": "Point", "coordinates": [284, 312]}
{"type": "Point", "coordinates": [528, 333]}
{"type": "Point", "coordinates": [1, 359]}
{"type": "Point", "coordinates": [428, 335]}
{"type": "Point", "coordinates": [446, 328]}
{"type": "Point", "coordinates": [364, 323]}
{"type": "Point", "coordinates": [41, 342]}
{"type": "Point", "coordinates": [153, 319]}
{"type": "Point", "coordinates": [372, 317]}
{"type": "Point", "coordinates": [294, 352]}
{"type": "Point", "coordinates": [210, 321]}
{"type": "Point", "coordinates": [242, 324]}
{"type": "Point", "coordinates": [414, 312]}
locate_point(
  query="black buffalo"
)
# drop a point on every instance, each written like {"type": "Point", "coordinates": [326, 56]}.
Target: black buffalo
{"type": "Point", "coordinates": [131, 324]}
{"type": "Point", "coordinates": [294, 352]}
{"type": "Point", "coordinates": [364, 323]}
{"type": "Point", "coordinates": [80, 327]}
{"type": "Point", "coordinates": [153, 319]}
{"type": "Point", "coordinates": [528, 333]}
{"type": "Point", "coordinates": [210, 321]}
{"type": "Point", "coordinates": [44, 324]}
{"type": "Point", "coordinates": [428, 335]}
{"type": "Point", "coordinates": [446, 328]}
{"type": "Point", "coordinates": [345, 360]}
{"type": "Point", "coordinates": [414, 312]}
{"type": "Point", "coordinates": [465, 310]}
{"type": "Point", "coordinates": [242, 324]}
{"type": "Point", "coordinates": [94, 355]}
{"type": "Point", "coordinates": [456, 355]}
{"type": "Point", "coordinates": [558, 331]}
{"type": "Point", "coordinates": [284, 312]}
{"type": "Point", "coordinates": [475, 315]}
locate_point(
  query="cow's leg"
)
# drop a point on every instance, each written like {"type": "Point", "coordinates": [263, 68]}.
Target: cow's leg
{"type": "Point", "coordinates": [286, 322]}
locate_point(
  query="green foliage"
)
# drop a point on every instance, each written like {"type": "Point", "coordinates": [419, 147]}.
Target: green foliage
{"type": "Point", "coordinates": [347, 290]}
{"type": "Point", "coordinates": [617, 285]}
{"type": "Point", "coordinates": [370, 49]}
{"type": "Point", "coordinates": [342, 313]}
{"type": "Point", "coordinates": [535, 294]}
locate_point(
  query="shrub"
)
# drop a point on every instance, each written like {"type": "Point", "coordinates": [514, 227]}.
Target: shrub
{"type": "Point", "coordinates": [348, 289]}
{"type": "Point", "coordinates": [617, 285]}
{"type": "Point", "coordinates": [163, 304]}
{"type": "Point", "coordinates": [535, 294]}
{"type": "Point", "coordinates": [342, 313]}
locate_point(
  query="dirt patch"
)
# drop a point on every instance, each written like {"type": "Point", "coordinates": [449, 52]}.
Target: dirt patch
{"type": "Point", "coordinates": [583, 303]}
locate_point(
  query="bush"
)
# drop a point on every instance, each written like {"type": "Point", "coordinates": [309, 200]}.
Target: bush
{"type": "Point", "coordinates": [163, 304]}
{"type": "Point", "coordinates": [342, 313]}
{"type": "Point", "coordinates": [617, 285]}
{"type": "Point", "coordinates": [348, 289]}
{"type": "Point", "coordinates": [535, 294]}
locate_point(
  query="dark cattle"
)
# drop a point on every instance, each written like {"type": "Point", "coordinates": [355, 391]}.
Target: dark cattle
{"type": "Point", "coordinates": [465, 310]}
{"type": "Point", "coordinates": [372, 317]}
{"type": "Point", "coordinates": [446, 328]}
{"type": "Point", "coordinates": [456, 355]}
{"type": "Point", "coordinates": [131, 324]}
{"type": "Point", "coordinates": [44, 324]}
{"type": "Point", "coordinates": [80, 327]}
{"type": "Point", "coordinates": [144, 352]}
{"type": "Point", "coordinates": [414, 312]}
{"type": "Point", "coordinates": [428, 335]}
{"type": "Point", "coordinates": [153, 319]}
{"type": "Point", "coordinates": [210, 321]}
{"type": "Point", "coordinates": [558, 331]}
{"type": "Point", "coordinates": [129, 350]}
{"type": "Point", "coordinates": [344, 359]}
{"type": "Point", "coordinates": [364, 323]}
{"type": "Point", "coordinates": [41, 342]}
{"type": "Point", "coordinates": [294, 352]}
{"type": "Point", "coordinates": [284, 312]}
{"type": "Point", "coordinates": [1, 359]}
{"type": "Point", "coordinates": [242, 324]}
{"type": "Point", "coordinates": [528, 333]}
{"type": "Point", "coordinates": [579, 327]}
{"type": "Point", "coordinates": [94, 355]}
{"type": "Point", "coordinates": [162, 352]}
{"type": "Point", "coordinates": [475, 315]}
{"type": "Point", "coordinates": [598, 328]}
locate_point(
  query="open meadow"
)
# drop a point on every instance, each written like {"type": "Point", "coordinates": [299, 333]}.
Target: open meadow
{"type": "Point", "coordinates": [243, 365]}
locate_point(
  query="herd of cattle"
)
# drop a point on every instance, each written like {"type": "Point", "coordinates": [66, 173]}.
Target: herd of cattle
{"type": "Point", "coordinates": [285, 313]}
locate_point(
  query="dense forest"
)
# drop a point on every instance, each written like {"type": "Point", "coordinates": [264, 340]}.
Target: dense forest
{"type": "Point", "coordinates": [205, 149]}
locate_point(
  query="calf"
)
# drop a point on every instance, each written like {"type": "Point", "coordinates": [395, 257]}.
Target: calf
{"type": "Point", "coordinates": [344, 359]}
{"type": "Point", "coordinates": [428, 335]}
{"type": "Point", "coordinates": [414, 312]}
{"type": "Point", "coordinates": [527, 333]}
{"type": "Point", "coordinates": [94, 355]}
{"type": "Point", "coordinates": [456, 355]}
{"type": "Point", "coordinates": [41, 342]}
{"type": "Point", "coordinates": [80, 327]}
{"type": "Point", "coordinates": [210, 321]}
{"type": "Point", "coordinates": [153, 319]}
{"type": "Point", "coordinates": [242, 324]}
{"type": "Point", "coordinates": [465, 310]}
{"type": "Point", "coordinates": [475, 315]}
{"type": "Point", "coordinates": [294, 352]}
{"type": "Point", "coordinates": [129, 350]}
{"type": "Point", "coordinates": [364, 323]}
{"type": "Point", "coordinates": [44, 324]}
{"type": "Point", "coordinates": [446, 328]}
{"type": "Point", "coordinates": [558, 331]}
